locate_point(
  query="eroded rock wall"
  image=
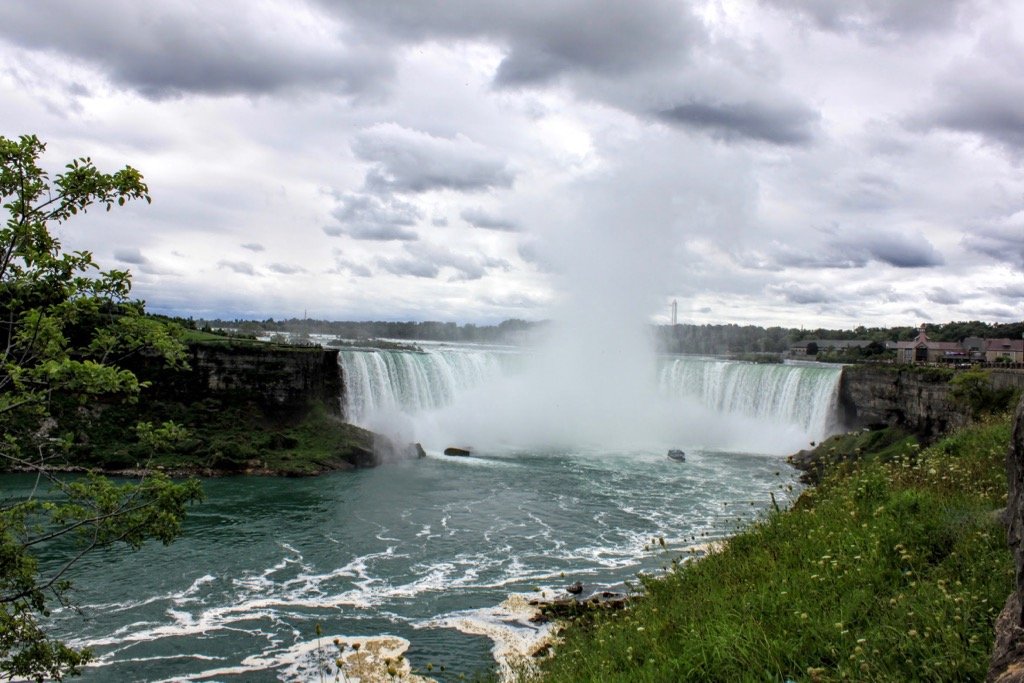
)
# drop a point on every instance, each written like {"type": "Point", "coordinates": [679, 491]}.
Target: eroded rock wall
{"type": "Point", "coordinates": [278, 378]}
{"type": "Point", "coordinates": [917, 400]}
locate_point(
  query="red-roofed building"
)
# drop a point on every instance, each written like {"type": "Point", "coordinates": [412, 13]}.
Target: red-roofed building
{"type": "Point", "coordinates": [1004, 350]}
{"type": "Point", "coordinates": [924, 350]}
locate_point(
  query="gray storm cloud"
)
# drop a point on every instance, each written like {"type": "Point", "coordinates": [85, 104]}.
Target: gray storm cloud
{"type": "Point", "coordinates": [1002, 242]}
{"type": "Point", "coordinates": [240, 267]}
{"type": "Point", "coordinates": [774, 123]}
{"type": "Point", "coordinates": [877, 18]}
{"type": "Point", "coordinates": [165, 49]}
{"type": "Point", "coordinates": [131, 255]}
{"type": "Point", "coordinates": [479, 218]}
{"type": "Point", "coordinates": [369, 217]}
{"type": "Point", "coordinates": [405, 160]}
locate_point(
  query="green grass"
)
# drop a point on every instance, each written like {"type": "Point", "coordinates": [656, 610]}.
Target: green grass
{"type": "Point", "coordinates": [853, 448]}
{"type": "Point", "coordinates": [892, 570]}
{"type": "Point", "coordinates": [190, 336]}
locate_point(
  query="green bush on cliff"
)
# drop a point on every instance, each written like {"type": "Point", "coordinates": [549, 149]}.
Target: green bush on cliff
{"type": "Point", "coordinates": [973, 391]}
{"type": "Point", "coordinates": [892, 570]}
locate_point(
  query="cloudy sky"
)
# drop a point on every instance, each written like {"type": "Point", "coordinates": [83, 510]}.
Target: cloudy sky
{"type": "Point", "coordinates": [793, 162]}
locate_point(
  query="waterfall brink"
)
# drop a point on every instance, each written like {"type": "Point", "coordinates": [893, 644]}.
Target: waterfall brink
{"type": "Point", "coordinates": [804, 395]}
{"type": "Point", "coordinates": [380, 381]}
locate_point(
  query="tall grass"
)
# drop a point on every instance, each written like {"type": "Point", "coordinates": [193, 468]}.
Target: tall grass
{"type": "Point", "coordinates": [893, 569]}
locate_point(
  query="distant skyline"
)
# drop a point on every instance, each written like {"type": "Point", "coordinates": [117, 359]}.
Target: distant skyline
{"type": "Point", "coordinates": [780, 162]}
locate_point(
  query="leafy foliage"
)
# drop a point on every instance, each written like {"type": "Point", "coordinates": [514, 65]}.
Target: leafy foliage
{"type": "Point", "coordinates": [65, 326]}
{"type": "Point", "coordinates": [973, 389]}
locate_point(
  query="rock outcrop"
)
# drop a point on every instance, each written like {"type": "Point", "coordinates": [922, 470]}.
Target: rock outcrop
{"type": "Point", "coordinates": [278, 378]}
{"type": "Point", "coordinates": [915, 399]}
{"type": "Point", "coordinates": [1007, 663]}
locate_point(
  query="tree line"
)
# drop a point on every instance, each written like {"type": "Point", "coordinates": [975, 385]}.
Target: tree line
{"type": "Point", "coordinates": [684, 338]}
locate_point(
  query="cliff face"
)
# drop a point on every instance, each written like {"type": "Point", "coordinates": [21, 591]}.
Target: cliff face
{"type": "Point", "coordinates": [1008, 658]}
{"type": "Point", "coordinates": [281, 378]}
{"type": "Point", "coordinates": [277, 378]}
{"type": "Point", "coordinates": [916, 400]}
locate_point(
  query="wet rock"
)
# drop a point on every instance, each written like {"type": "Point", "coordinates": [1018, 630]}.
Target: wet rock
{"type": "Point", "coordinates": [573, 608]}
{"type": "Point", "coordinates": [452, 450]}
{"type": "Point", "coordinates": [574, 589]}
{"type": "Point", "coordinates": [418, 449]}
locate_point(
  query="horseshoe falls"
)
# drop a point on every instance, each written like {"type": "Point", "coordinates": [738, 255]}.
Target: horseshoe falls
{"type": "Point", "coordinates": [693, 401]}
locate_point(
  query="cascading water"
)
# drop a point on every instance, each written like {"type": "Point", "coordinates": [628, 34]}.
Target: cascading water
{"type": "Point", "coordinates": [805, 395]}
{"type": "Point", "coordinates": [800, 397]}
{"type": "Point", "coordinates": [387, 381]}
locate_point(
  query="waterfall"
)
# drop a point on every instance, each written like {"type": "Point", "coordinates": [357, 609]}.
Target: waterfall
{"type": "Point", "coordinates": [378, 380]}
{"type": "Point", "coordinates": [802, 394]}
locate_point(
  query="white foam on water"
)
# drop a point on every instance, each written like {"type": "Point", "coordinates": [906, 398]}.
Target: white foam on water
{"type": "Point", "coordinates": [327, 658]}
{"type": "Point", "coordinates": [516, 638]}
{"type": "Point", "coordinates": [377, 659]}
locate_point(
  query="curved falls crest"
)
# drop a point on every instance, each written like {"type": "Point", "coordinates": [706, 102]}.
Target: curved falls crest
{"type": "Point", "coordinates": [799, 400]}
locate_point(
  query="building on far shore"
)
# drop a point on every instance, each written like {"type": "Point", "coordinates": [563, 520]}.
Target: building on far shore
{"type": "Point", "coordinates": [924, 350]}
{"type": "Point", "coordinates": [975, 347]}
{"type": "Point", "coordinates": [1004, 350]}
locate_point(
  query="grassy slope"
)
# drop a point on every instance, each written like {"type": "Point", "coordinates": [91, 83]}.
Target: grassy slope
{"type": "Point", "coordinates": [893, 570]}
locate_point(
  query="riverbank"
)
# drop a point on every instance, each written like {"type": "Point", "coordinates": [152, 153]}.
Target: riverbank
{"type": "Point", "coordinates": [893, 568]}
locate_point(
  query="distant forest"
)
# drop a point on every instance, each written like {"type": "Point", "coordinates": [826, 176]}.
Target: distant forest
{"type": "Point", "coordinates": [508, 332]}
{"type": "Point", "coordinates": [710, 339]}
{"type": "Point", "coordinates": [703, 339]}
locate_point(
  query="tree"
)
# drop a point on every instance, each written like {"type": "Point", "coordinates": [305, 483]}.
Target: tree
{"type": "Point", "coordinates": [973, 390]}
{"type": "Point", "coordinates": [65, 326]}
